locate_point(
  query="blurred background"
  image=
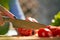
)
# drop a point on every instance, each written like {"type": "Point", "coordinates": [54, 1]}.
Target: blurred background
{"type": "Point", "coordinates": [42, 10]}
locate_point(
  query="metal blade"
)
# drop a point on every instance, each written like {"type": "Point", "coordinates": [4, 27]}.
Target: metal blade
{"type": "Point", "coordinates": [17, 23]}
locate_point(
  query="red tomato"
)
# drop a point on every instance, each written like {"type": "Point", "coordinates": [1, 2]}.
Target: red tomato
{"type": "Point", "coordinates": [25, 32]}
{"type": "Point", "coordinates": [58, 32]}
{"type": "Point", "coordinates": [20, 31]}
{"type": "Point", "coordinates": [44, 32]}
{"type": "Point", "coordinates": [49, 27]}
{"type": "Point", "coordinates": [53, 30]}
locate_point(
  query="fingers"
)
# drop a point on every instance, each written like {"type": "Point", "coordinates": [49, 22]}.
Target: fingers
{"type": "Point", "coordinates": [31, 19]}
{"type": "Point", "coordinates": [6, 12]}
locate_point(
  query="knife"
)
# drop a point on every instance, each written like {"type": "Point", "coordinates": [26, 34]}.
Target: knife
{"type": "Point", "coordinates": [18, 23]}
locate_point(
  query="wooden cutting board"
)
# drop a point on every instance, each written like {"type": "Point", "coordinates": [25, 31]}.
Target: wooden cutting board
{"type": "Point", "coordinates": [27, 38]}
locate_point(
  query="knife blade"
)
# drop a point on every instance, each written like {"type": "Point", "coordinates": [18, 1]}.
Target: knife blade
{"type": "Point", "coordinates": [18, 23]}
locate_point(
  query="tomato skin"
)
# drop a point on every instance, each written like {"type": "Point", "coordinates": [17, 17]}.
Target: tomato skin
{"type": "Point", "coordinates": [55, 30]}
{"type": "Point", "coordinates": [58, 32]}
{"type": "Point", "coordinates": [25, 32]}
{"type": "Point", "coordinates": [44, 32]}
{"type": "Point", "coordinates": [49, 27]}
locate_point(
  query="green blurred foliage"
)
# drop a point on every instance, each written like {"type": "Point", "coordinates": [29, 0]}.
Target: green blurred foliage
{"type": "Point", "coordinates": [5, 3]}
{"type": "Point", "coordinates": [56, 20]}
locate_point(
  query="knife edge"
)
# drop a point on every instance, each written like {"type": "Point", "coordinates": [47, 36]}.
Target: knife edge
{"type": "Point", "coordinates": [18, 23]}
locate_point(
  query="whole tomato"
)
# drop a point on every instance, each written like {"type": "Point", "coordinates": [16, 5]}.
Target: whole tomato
{"type": "Point", "coordinates": [44, 32]}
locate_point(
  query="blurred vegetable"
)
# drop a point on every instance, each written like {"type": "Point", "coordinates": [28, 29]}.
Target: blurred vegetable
{"type": "Point", "coordinates": [56, 21]}
{"type": "Point", "coordinates": [5, 3]}
{"type": "Point", "coordinates": [57, 15]}
{"type": "Point", "coordinates": [4, 28]}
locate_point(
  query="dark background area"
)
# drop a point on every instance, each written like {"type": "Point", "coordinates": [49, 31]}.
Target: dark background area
{"type": "Point", "coordinates": [41, 10]}
{"type": "Point", "coordinates": [47, 10]}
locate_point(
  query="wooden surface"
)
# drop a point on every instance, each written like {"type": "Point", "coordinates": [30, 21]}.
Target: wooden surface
{"type": "Point", "coordinates": [27, 38]}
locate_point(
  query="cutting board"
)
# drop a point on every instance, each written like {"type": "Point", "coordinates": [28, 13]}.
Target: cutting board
{"type": "Point", "coordinates": [27, 38]}
{"type": "Point", "coordinates": [33, 37]}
